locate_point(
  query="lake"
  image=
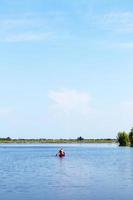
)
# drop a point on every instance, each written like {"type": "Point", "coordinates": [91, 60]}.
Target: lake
{"type": "Point", "coordinates": [89, 171]}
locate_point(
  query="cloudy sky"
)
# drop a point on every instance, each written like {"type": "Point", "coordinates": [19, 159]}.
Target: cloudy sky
{"type": "Point", "coordinates": [66, 68]}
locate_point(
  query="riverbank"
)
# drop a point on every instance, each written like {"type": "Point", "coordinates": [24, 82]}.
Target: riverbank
{"type": "Point", "coordinates": [54, 141]}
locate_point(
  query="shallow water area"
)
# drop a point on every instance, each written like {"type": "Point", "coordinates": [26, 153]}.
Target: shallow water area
{"type": "Point", "coordinates": [88, 171]}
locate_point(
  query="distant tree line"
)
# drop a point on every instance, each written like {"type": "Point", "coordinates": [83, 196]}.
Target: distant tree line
{"type": "Point", "coordinates": [79, 139]}
{"type": "Point", "coordinates": [6, 139]}
{"type": "Point", "coordinates": [125, 139]}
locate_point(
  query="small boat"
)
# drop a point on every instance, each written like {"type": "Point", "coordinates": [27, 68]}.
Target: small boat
{"type": "Point", "coordinates": [61, 153]}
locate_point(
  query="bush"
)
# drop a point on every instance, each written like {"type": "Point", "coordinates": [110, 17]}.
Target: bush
{"type": "Point", "coordinates": [80, 138]}
{"type": "Point", "coordinates": [131, 137]}
{"type": "Point", "coordinates": [123, 139]}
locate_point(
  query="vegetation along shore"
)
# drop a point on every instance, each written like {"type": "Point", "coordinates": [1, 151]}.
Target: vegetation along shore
{"type": "Point", "coordinates": [125, 139]}
{"type": "Point", "coordinates": [55, 141]}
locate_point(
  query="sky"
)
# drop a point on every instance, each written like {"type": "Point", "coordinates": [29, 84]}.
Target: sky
{"type": "Point", "coordinates": [66, 68]}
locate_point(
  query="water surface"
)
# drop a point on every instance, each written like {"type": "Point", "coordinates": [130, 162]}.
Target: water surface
{"type": "Point", "coordinates": [91, 171]}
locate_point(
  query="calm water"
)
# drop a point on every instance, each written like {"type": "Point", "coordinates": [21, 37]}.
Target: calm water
{"type": "Point", "coordinates": [87, 172]}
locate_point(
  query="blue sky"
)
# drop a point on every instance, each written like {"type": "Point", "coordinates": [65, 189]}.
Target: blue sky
{"type": "Point", "coordinates": [66, 68]}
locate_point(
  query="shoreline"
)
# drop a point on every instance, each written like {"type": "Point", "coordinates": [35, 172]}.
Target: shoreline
{"type": "Point", "coordinates": [57, 141]}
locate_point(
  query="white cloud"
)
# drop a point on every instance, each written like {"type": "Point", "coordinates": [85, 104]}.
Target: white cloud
{"type": "Point", "coordinates": [21, 37]}
{"type": "Point", "coordinates": [70, 101]}
{"type": "Point", "coordinates": [27, 27]}
{"type": "Point", "coordinates": [127, 107]}
{"type": "Point", "coordinates": [6, 112]}
{"type": "Point", "coordinates": [118, 22]}
{"type": "Point", "coordinates": [122, 45]}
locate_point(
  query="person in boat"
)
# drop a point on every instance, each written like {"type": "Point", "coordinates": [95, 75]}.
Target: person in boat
{"type": "Point", "coordinates": [61, 153]}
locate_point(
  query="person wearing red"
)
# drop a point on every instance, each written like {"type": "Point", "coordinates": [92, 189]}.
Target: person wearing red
{"type": "Point", "coordinates": [61, 153]}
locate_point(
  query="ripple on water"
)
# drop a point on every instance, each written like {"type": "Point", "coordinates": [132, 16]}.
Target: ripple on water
{"type": "Point", "coordinates": [87, 172]}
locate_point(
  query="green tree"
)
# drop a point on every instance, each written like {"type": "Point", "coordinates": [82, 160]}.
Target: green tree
{"type": "Point", "coordinates": [131, 137]}
{"type": "Point", "coordinates": [123, 138]}
{"type": "Point", "coordinates": [80, 138]}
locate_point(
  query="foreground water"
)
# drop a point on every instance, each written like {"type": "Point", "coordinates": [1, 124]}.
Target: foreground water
{"type": "Point", "coordinates": [32, 172]}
